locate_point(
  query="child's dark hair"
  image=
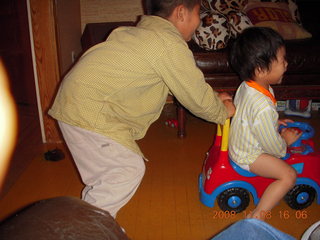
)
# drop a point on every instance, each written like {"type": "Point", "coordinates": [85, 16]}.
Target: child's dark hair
{"type": "Point", "coordinates": [255, 47]}
{"type": "Point", "coordinates": [164, 8]}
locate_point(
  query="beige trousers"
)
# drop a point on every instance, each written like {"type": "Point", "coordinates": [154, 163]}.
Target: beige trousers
{"type": "Point", "coordinates": [110, 171]}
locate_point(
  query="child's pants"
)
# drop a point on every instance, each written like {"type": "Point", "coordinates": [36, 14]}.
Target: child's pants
{"type": "Point", "coordinates": [110, 171]}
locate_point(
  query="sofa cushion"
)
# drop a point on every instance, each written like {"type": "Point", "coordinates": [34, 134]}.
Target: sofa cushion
{"type": "Point", "coordinates": [238, 21]}
{"type": "Point", "coordinates": [226, 21]}
{"type": "Point", "coordinates": [213, 32]}
{"type": "Point", "coordinates": [224, 6]}
{"type": "Point", "coordinates": [292, 7]}
{"type": "Point", "coordinates": [235, 11]}
{"type": "Point", "coordinates": [276, 16]}
{"type": "Point", "coordinates": [221, 20]}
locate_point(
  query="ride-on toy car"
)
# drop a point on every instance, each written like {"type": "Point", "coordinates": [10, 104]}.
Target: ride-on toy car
{"type": "Point", "coordinates": [222, 180]}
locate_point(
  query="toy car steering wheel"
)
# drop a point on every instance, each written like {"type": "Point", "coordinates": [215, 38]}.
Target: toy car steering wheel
{"type": "Point", "coordinates": [308, 131]}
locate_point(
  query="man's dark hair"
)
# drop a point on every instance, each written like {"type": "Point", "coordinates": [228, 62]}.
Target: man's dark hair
{"type": "Point", "coordinates": [255, 47]}
{"type": "Point", "coordinates": [164, 8]}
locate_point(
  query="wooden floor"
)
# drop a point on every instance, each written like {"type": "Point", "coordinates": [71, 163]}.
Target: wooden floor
{"type": "Point", "coordinates": [166, 205]}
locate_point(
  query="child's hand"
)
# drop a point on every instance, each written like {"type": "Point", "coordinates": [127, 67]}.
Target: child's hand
{"type": "Point", "coordinates": [290, 135]}
{"type": "Point", "coordinates": [231, 109]}
{"type": "Point", "coordinates": [284, 121]}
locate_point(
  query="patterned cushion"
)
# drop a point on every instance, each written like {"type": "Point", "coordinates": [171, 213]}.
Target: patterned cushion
{"type": "Point", "coordinates": [221, 20]}
{"type": "Point", "coordinates": [238, 21]}
{"type": "Point", "coordinates": [211, 36]}
{"type": "Point", "coordinates": [277, 16]}
{"type": "Point", "coordinates": [224, 6]}
{"type": "Point", "coordinates": [213, 32]}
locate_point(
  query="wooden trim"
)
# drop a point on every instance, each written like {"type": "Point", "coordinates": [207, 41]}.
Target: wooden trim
{"type": "Point", "coordinates": [46, 54]}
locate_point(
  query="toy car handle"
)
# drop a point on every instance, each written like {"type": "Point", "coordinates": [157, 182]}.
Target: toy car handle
{"type": "Point", "coordinates": [308, 131]}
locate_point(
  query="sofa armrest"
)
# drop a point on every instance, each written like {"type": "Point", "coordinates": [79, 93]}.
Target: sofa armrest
{"type": "Point", "coordinates": [61, 218]}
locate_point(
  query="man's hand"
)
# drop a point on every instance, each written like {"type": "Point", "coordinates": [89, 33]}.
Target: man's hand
{"type": "Point", "coordinates": [227, 101]}
{"type": "Point", "coordinates": [225, 96]}
{"type": "Point", "coordinates": [231, 109]}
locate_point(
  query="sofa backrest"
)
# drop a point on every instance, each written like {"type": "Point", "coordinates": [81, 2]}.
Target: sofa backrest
{"type": "Point", "coordinates": [97, 32]}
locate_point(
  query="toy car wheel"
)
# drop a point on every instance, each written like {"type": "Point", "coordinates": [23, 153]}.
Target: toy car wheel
{"type": "Point", "coordinates": [300, 196]}
{"type": "Point", "coordinates": [234, 199]}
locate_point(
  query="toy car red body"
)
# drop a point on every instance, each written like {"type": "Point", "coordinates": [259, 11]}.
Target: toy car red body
{"type": "Point", "coordinates": [231, 185]}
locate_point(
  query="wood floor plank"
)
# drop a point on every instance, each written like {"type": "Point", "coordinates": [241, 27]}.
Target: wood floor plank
{"type": "Point", "coordinates": [166, 206]}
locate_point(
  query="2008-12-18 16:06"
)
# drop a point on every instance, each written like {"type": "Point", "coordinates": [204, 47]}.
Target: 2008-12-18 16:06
{"type": "Point", "coordinates": [282, 214]}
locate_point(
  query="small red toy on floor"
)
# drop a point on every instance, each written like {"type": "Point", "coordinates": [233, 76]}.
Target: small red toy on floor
{"type": "Point", "coordinates": [171, 123]}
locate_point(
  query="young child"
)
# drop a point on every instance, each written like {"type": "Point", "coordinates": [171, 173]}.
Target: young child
{"type": "Point", "coordinates": [258, 55]}
{"type": "Point", "coordinates": [118, 89]}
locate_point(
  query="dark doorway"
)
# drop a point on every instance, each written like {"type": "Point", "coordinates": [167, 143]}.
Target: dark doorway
{"type": "Point", "coordinates": [15, 51]}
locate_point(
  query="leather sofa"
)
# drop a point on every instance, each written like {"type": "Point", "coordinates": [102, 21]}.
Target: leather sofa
{"type": "Point", "coordinates": [301, 81]}
{"type": "Point", "coordinates": [61, 218]}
